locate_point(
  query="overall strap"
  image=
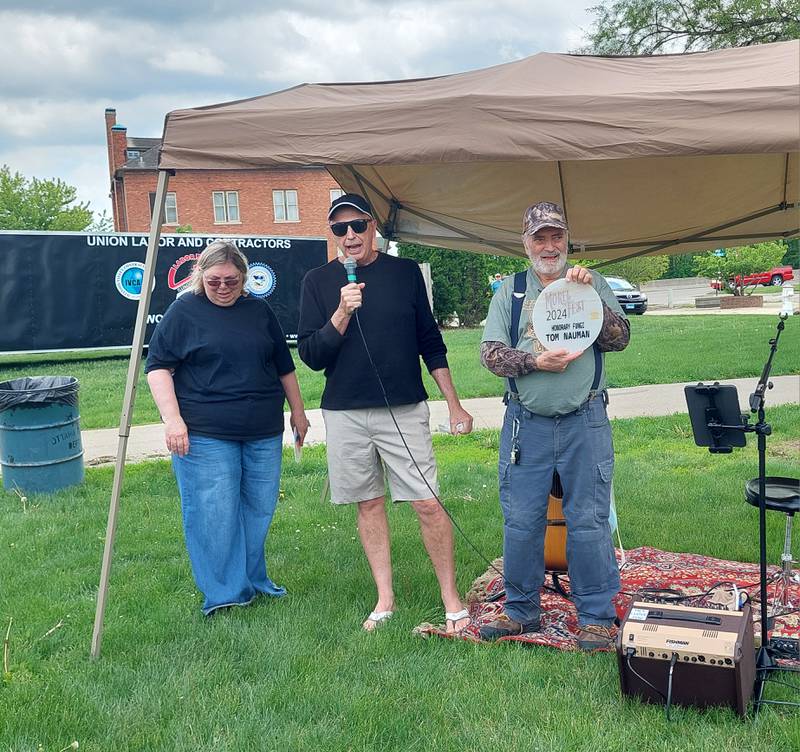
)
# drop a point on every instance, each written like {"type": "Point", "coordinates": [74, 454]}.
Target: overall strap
{"type": "Point", "coordinates": [598, 369]}
{"type": "Point", "coordinates": [517, 299]}
{"type": "Point", "coordinates": [520, 285]}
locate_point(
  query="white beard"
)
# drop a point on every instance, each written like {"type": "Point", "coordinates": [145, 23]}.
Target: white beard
{"type": "Point", "coordinates": [550, 268]}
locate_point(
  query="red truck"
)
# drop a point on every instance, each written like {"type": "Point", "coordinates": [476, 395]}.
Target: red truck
{"type": "Point", "coordinates": [775, 276]}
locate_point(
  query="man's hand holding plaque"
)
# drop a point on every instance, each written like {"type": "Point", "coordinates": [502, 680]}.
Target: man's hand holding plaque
{"type": "Point", "coordinates": [567, 319]}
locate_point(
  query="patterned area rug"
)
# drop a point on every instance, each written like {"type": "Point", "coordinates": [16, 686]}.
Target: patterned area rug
{"type": "Point", "coordinates": [648, 574]}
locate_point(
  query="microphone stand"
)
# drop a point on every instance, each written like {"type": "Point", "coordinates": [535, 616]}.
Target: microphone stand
{"type": "Point", "coordinates": [765, 658]}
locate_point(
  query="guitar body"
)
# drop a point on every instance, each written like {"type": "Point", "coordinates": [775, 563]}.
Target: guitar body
{"type": "Point", "coordinates": [555, 537]}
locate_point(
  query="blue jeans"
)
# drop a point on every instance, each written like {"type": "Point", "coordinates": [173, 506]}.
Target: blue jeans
{"type": "Point", "coordinates": [229, 490]}
{"type": "Point", "coordinates": [579, 447]}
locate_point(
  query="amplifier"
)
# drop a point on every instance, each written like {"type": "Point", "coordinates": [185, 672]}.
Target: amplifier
{"type": "Point", "coordinates": [715, 654]}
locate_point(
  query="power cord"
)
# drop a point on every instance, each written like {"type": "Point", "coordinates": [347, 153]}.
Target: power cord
{"type": "Point", "coordinates": [670, 595]}
{"type": "Point", "coordinates": [672, 661]}
{"type": "Point", "coordinates": [629, 653]}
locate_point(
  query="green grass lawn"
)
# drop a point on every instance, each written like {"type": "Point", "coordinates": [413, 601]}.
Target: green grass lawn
{"type": "Point", "coordinates": [298, 673]}
{"type": "Point", "coordinates": [663, 349]}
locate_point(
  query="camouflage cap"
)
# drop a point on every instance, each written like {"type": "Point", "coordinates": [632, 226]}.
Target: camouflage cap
{"type": "Point", "coordinates": [543, 214]}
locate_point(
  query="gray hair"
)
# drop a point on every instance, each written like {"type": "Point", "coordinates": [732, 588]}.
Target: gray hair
{"type": "Point", "coordinates": [219, 252]}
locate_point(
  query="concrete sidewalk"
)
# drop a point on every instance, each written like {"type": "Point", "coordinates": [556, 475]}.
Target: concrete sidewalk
{"type": "Point", "coordinates": [772, 305]}
{"type": "Point", "coordinates": [147, 442]}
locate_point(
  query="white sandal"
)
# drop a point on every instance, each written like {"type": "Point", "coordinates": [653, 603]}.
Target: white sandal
{"type": "Point", "coordinates": [455, 617]}
{"type": "Point", "coordinates": [378, 618]}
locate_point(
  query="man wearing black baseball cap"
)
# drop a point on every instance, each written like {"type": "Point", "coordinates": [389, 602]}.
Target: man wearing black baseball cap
{"type": "Point", "coordinates": [354, 201]}
{"type": "Point", "coordinates": [363, 443]}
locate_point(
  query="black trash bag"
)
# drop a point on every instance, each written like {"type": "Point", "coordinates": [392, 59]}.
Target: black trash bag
{"type": "Point", "coordinates": [38, 390]}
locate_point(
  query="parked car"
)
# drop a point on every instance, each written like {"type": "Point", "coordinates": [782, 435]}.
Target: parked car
{"type": "Point", "coordinates": [630, 297]}
{"type": "Point", "coordinates": [775, 276]}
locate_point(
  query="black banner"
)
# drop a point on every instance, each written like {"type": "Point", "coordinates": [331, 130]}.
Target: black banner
{"type": "Point", "coordinates": [65, 291]}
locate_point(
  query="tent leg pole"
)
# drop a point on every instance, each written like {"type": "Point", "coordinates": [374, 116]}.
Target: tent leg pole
{"type": "Point", "coordinates": [127, 405]}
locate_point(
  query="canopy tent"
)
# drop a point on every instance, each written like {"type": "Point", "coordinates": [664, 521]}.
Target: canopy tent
{"type": "Point", "coordinates": [659, 154]}
{"type": "Point", "coordinates": [671, 153]}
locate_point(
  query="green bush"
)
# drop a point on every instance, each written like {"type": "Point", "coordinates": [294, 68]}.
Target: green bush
{"type": "Point", "coordinates": [461, 280]}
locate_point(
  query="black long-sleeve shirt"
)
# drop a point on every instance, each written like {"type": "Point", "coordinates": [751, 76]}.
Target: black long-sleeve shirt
{"type": "Point", "coordinates": [398, 326]}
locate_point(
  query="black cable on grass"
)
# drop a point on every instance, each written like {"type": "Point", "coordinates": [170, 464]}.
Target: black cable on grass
{"type": "Point", "coordinates": [434, 495]}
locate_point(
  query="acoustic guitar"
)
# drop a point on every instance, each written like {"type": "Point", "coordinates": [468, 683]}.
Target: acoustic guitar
{"type": "Point", "coordinates": [555, 536]}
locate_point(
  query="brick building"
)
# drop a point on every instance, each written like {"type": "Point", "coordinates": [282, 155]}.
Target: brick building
{"type": "Point", "coordinates": [283, 201]}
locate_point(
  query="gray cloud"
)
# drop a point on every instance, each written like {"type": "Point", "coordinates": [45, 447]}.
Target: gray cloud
{"type": "Point", "coordinates": [71, 60]}
{"type": "Point", "coordinates": [210, 11]}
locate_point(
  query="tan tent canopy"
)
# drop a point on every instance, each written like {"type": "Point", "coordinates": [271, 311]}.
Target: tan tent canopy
{"type": "Point", "coordinates": [670, 153]}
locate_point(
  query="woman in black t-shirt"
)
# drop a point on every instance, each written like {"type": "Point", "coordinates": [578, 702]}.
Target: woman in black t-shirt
{"type": "Point", "coordinates": [219, 370]}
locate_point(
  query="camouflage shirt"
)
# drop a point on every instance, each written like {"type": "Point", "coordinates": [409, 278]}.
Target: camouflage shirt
{"type": "Point", "coordinates": [506, 361]}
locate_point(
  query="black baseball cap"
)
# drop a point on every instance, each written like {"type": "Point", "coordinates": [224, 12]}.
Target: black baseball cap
{"type": "Point", "coordinates": [353, 200]}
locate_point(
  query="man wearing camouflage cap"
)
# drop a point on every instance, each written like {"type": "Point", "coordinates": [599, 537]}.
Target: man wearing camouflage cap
{"type": "Point", "coordinates": [555, 421]}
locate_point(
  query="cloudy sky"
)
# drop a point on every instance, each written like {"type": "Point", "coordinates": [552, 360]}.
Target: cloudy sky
{"type": "Point", "coordinates": [65, 62]}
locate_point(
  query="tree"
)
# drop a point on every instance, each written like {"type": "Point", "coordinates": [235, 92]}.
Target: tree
{"type": "Point", "coordinates": [680, 265]}
{"type": "Point", "coordinates": [460, 280]}
{"type": "Point", "coordinates": [727, 264]}
{"type": "Point", "coordinates": [792, 255]}
{"type": "Point", "coordinates": [636, 270]}
{"type": "Point", "coordinates": [101, 224]}
{"type": "Point", "coordinates": [39, 204]}
{"type": "Point", "coordinates": [648, 27]}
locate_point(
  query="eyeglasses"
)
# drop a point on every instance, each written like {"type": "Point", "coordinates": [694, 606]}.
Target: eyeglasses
{"type": "Point", "coordinates": [214, 283]}
{"type": "Point", "coordinates": [339, 229]}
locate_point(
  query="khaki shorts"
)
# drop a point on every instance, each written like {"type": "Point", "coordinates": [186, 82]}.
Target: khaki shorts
{"type": "Point", "coordinates": [361, 443]}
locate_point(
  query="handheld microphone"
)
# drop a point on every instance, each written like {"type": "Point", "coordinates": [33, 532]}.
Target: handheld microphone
{"type": "Point", "coordinates": [350, 268]}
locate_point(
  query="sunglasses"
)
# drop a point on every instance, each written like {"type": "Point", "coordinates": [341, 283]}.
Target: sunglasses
{"type": "Point", "coordinates": [339, 229]}
{"type": "Point", "coordinates": [214, 283]}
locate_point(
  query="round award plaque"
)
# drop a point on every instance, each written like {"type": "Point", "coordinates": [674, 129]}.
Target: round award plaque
{"type": "Point", "coordinates": [567, 316]}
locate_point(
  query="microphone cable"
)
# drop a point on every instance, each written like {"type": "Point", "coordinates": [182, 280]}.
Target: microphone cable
{"type": "Point", "coordinates": [434, 495]}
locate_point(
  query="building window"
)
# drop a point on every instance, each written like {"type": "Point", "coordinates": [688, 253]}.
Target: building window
{"type": "Point", "coordinates": [170, 208]}
{"type": "Point", "coordinates": [285, 205]}
{"type": "Point", "coordinates": [226, 207]}
{"type": "Point", "coordinates": [133, 153]}
{"type": "Point", "coordinates": [335, 193]}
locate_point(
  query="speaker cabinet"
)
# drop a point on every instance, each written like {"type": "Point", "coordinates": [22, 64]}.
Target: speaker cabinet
{"type": "Point", "coordinates": [715, 655]}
